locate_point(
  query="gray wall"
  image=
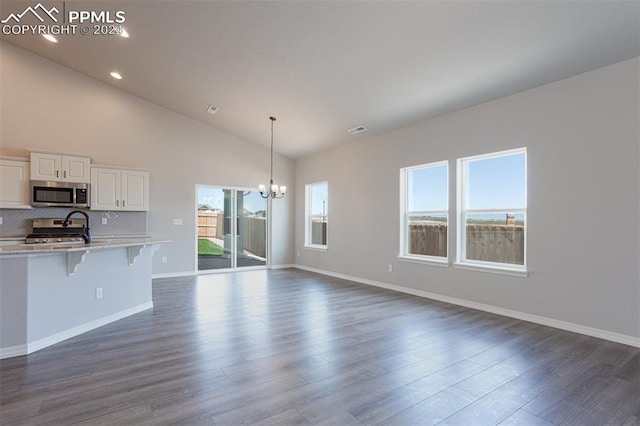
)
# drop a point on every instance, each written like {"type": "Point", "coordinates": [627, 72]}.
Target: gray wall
{"type": "Point", "coordinates": [124, 287]}
{"type": "Point", "coordinates": [47, 106]}
{"type": "Point", "coordinates": [583, 193]}
{"type": "Point", "coordinates": [13, 301]}
{"type": "Point", "coordinates": [38, 300]}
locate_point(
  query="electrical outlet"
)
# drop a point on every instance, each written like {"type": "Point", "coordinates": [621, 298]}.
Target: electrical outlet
{"type": "Point", "coordinates": [177, 221]}
{"type": "Point", "coordinates": [98, 293]}
{"type": "Point", "coordinates": [390, 268]}
{"type": "Point", "coordinates": [1, 220]}
{"type": "Point", "coordinates": [104, 220]}
{"type": "Point", "coordinates": [298, 252]}
{"type": "Point", "coordinates": [164, 259]}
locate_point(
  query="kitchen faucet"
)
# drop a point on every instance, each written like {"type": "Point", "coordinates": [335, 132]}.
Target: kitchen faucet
{"type": "Point", "coordinates": [86, 236]}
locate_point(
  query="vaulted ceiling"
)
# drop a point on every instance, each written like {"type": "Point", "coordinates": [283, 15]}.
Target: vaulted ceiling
{"type": "Point", "coordinates": [323, 67]}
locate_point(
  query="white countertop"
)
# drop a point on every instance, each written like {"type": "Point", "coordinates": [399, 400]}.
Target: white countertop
{"type": "Point", "coordinates": [97, 244]}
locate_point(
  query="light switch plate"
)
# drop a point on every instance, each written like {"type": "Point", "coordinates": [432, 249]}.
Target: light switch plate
{"type": "Point", "coordinates": [177, 221]}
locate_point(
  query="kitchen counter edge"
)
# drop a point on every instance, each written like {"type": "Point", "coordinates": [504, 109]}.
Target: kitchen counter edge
{"type": "Point", "coordinates": [97, 244]}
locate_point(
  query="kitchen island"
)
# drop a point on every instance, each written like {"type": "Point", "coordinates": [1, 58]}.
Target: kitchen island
{"type": "Point", "coordinates": [51, 292]}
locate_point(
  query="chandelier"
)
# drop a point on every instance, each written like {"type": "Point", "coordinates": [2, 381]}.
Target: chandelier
{"type": "Point", "coordinates": [274, 191]}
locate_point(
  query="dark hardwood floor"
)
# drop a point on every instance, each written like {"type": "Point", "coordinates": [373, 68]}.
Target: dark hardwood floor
{"type": "Point", "coordinates": [289, 347]}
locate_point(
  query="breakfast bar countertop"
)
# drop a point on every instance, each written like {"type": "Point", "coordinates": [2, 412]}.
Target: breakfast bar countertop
{"type": "Point", "coordinates": [98, 243]}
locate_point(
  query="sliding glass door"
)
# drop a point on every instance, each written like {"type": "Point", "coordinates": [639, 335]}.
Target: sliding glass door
{"type": "Point", "coordinates": [251, 229]}
{"type": "Point", "coordinates": [232, 228]}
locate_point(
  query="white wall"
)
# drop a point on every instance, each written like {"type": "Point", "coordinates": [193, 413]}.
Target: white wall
{"type": "Point", "coordinates": [583, 193]}
{"type": "Point", "coordinates": [48, 106]}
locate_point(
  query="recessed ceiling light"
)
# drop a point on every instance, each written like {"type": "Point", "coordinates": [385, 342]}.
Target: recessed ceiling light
{"type": "Point", "coordinates": [116, 75]}
{"type": "Point", "coordinates": [49, 37]}
{"type": "Point", "coordinates": [355, 130]}
{"type": "Point", "coordinates": [124, 33]}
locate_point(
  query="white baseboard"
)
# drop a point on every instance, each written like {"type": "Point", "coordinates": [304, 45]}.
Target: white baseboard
{"type": "Point", "coordinates": [12, 351]}
{"type": "Point", "coordinates": [563, 325]}
{"type": "Point", "coordinates": [194, 273]}
{"type": "Point", "coordinates": [285, 266]}
{"type": "Point", "coordinates": [174, 274]}
{"type": "Point", "coordinates": [31, 347]}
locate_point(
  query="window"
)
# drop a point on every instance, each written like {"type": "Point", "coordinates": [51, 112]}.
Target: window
{"type": "Point", "coordinates": [492, 210]}
{"type": "Point", "coordinates": [424, 211]}
{"type": "Point", "coordinates": [317, 208]}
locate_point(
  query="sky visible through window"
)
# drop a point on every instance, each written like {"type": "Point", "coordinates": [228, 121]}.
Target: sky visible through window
{"type": "Point", "coordinates": [214, 197]}
{"type": "Point", "coordinates": [427, 189]}
{"type": "Point", "coordinates": [319, 202]}
{"type": "Point", "coordinates": [491, 183]}
{"type": "Point", "coordinates": [496, 183]}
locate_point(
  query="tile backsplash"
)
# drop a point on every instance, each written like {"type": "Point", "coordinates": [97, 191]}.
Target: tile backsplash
{"type": "Point", "coordinates": [17, 223]}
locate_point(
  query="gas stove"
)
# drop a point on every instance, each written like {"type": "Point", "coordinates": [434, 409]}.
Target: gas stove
{"type": "Point", "coordinates": [47, 231]}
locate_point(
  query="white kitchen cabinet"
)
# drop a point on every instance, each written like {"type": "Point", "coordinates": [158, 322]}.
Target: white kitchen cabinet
{"type": "Point", "coordinates": [119, 189]}
{"type": "Point", "coordinates": [59, 168]}
{"type": "Point", "coordinates": [105, 189]}
{"type": "Point", "coordinates": [135, 190]}
{"type": "Point", "coordinates": [14, 183]}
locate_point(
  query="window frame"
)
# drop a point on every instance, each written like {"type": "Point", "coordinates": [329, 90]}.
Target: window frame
{"type": "Point", "coordinates": [461, 238]}
{"type": "Point", "coordinates": [405, 213]}
{"type": "Point", "coordinates": [308, 217]}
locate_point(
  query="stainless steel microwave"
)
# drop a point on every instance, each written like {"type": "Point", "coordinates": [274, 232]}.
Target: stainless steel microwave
{"type": "Point", "coordinates": [59, 194]}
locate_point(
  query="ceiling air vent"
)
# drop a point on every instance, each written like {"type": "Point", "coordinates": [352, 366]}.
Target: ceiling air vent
{"type": "Point", "coordinates": [355, 130]}
{"type": "Point", "coordinates": [211, 109]}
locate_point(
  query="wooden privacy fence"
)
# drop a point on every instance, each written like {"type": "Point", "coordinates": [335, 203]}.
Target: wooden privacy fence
{"type": "Point", "coordinates": [207, 224]}
{"type": "Point", "coordinates": [492, 243]}
{"type": "Point", "coordinates": [428, 239]}
{"type": "Point", "coordinates": [319, 232]}
{"type": "Point", "coordinates": [254, 237]}
{"type": "Point", "coordinates": [496, 243]}
{"type": "Point", "coordinates": [252, 229]}
{"type": "Point", "coordinates": [220, 229]}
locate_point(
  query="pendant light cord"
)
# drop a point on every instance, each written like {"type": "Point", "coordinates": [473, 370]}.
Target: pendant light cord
{"type": "Point", "coordinates": [272, 120]}
{"type": "Point", "coordinates": [274, 191]}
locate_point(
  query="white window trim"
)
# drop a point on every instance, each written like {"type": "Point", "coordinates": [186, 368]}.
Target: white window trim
{"type": "Point", "coordinates": [316, 247]}
{"type": "Point", "coordinates": [404, 212]}
{"type": "Point", "coordinates": [492, 268]}
{"type": "Point", "coordinates": [461, 237]}
{"type": "Point", "coordinates": [307, 217]}
{"type": "Point", "coordinates": [425, 260]}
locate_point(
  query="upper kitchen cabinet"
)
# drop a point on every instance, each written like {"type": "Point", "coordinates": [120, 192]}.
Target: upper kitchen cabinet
{"type": "Point", "coordinates": [14, 183]}
{"type": "Point", "coordinates": [60, 168]}
{"type": "Point", "coordinates": [119, 189]}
